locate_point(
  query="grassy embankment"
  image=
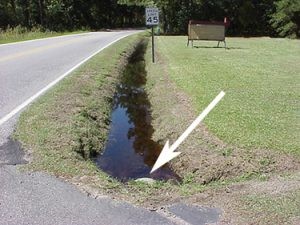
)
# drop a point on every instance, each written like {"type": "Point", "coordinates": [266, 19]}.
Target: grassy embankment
{"type": "Point", "coordinates": [261, 79]}
{"type": "Point", "coordinates": [22, 34]}
{"type": "Point", "coordinates": [252, 133]}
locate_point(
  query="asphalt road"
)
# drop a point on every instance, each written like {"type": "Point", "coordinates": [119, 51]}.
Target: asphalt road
{"type": "Point", "coordinates": [28, 67]}
{"type": "Point", "coordinates": [35, 198]}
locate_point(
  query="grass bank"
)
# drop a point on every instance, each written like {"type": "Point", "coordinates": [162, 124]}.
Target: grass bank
{"type": "Point", "coordinates": [233, 142]}
{"type": "Point", "coordinates": [261, 79]}
{"type": "Point", "coordinates": [22, 34]}
{"type": "Point", "coordinates": [246, 153]}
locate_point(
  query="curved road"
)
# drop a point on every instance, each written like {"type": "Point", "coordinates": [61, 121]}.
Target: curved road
{"type": "Point", "coordinates": [28, 69]}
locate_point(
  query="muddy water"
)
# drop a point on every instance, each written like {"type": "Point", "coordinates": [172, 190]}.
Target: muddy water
{"type": "Point", "coordinates": [130, 152]}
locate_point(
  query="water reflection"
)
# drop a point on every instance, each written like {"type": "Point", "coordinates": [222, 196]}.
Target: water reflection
{"type": "Point", "coordinates": [130, 152]}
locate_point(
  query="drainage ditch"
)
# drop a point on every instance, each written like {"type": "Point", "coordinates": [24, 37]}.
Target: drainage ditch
{"type": "Point", "coordinates": [130, 153]}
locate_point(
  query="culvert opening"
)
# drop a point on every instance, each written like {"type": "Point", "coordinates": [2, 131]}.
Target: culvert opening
{"type": "Point", "coordinates": [130, 153]}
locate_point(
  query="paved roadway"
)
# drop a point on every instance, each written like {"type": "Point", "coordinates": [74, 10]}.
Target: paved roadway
{"type": "Point", "coordinates": [36, 198]}
{"type": "Point", "coordinates": [28, 67]}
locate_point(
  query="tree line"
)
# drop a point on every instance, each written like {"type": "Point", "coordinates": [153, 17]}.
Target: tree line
{"type": "Point", "coordinates": [247, 17]}
{"type": "Point", "coordinates": [62, 15]}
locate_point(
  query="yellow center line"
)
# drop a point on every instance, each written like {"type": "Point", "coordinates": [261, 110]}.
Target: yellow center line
{"type": "Point", "coordinates": [37, 50]}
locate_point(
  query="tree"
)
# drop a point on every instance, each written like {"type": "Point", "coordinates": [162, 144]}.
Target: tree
{"type": "Point", "coordinates": [286, 19]}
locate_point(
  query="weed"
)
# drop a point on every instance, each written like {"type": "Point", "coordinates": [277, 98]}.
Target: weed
{"type": "Point", "coordinates": [227, 152]}
{"type": "Point", "coordinates": [266, 161]}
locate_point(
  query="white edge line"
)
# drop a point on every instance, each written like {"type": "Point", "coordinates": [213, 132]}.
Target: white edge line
{"type": "Point", "coordinates": [32, 98]}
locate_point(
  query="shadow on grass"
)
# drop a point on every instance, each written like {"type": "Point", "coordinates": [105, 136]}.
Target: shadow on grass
{"type": "Point", "coordinates": [228, 48]}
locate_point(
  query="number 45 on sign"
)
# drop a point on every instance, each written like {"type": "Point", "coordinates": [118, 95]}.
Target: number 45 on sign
{"type": "Point", "coordinates": [152, 16]}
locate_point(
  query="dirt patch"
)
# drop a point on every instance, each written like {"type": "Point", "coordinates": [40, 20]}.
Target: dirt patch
{"type": "Point", "coordinates": [275, 201]}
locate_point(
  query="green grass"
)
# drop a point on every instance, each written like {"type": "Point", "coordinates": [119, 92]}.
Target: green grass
{"type": "Point", "coordinates": [22, 34]}
{"type": "Point", "coordinates": [261, 79]}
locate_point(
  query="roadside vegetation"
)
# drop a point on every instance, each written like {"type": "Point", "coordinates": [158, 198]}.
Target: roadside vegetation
{"type": "Point", "coordinates": [23, 34]}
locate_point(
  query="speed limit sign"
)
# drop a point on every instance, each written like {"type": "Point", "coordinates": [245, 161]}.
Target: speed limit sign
{"type": "Point", "coordinates": [152, 16]}
{"type": "Point", "coordinates": [152, 19]}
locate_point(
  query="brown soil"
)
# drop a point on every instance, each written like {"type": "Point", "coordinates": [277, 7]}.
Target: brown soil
{"type": "Point", "coordinates": [236, 210]}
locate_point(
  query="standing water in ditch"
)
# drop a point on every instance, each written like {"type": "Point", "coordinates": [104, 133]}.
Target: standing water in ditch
{"type": "Point", "coordinates": [130, 153]}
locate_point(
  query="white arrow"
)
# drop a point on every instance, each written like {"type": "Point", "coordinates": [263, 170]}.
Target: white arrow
{"type": "Point", "coordinates": [168, 151]}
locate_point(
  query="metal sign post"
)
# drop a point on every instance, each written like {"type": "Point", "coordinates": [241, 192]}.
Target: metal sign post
{"type": "Point", "coordinates": [152, 19]}
{"type": "Point", "coordinates": [152, 31]}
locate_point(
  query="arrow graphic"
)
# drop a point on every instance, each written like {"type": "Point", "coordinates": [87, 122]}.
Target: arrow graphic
{"type": "Point", "coordinates": [168, 153]}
